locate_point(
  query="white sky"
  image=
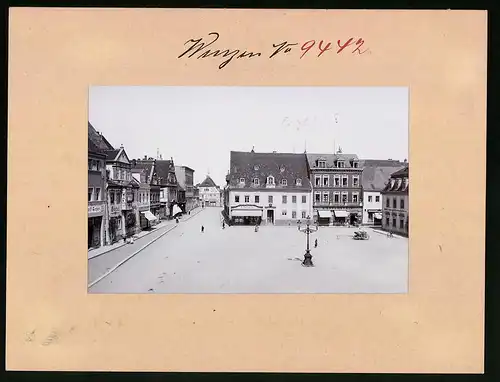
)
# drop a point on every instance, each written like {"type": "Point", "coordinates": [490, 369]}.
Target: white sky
{"type": "Point", "coordinates": [199, 126]}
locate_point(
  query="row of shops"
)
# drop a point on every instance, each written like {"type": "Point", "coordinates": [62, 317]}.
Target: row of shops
{"type": "Point", "coordinates": [337, 217]}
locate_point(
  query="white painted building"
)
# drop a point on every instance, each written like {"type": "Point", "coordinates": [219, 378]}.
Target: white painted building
{"type": "Point", "coordinates": [375, 175]}
{"type": "Point", "coordinates": [269, 188]}
{"type": "Point", "coordinates": [209, 193]}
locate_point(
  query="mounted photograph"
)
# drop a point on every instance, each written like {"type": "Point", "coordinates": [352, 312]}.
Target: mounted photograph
{"type": "Point", "coordinates": [248, 190]}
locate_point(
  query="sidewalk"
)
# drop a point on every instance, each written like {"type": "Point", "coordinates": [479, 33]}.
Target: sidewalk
{"type": "Point", "coordinates": [166, 223]}
{"type": "Point", "coordinates": [100, 264]}
{"type": "Point", "coordinates": [385, 233]}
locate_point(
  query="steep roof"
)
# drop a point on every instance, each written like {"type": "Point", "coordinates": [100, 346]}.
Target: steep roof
{"type": "Point", "coordinates": [374, 178]}
{"type": "Point", "coordinates": [402, 173]}
{"type": "Point", "coordinates": [330, 159]}
{"type": "Point", "coordinates": [165, 170]}
{"type": "Point", "coordinates": [398, 181]}
{"type": "Point", "coordinates": [208, 182]}
{"type": "Point", "coordinates": [98, 139]}
{"type": "Point", "coordinates": [111, 154]}
{"type": "Point", "coordinates": [251, 165]}
{"type": "Point", "coordinates": [381, 163]}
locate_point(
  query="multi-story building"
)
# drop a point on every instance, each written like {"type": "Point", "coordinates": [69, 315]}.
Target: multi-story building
{"type": "Point", "coordinates": [165, 171]}
{"type": "Point", "coordinates": [185, 178]}
{"type": "Point", "coordinates": [209, 193]}
{"type": "Point", "coordinates": [336, 182]}
{"type": "Point", "coordinates": [395, 209]}
{"type": "Point", "coordinates": [96, 196]}
{"type": "Point", "coordinates": [375, 175]}
{"type": "Point", "coordinates": [148, 200]}
{"type": "Point", "coordinates": [270, 188]}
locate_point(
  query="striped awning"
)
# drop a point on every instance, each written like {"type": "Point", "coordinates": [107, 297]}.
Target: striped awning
{"type": "Point", "coordinates": [341, 214]}
{"type": "Point", "coordinates": [324, 214]}
{"type": "Point", "coordinates": [148, 215]}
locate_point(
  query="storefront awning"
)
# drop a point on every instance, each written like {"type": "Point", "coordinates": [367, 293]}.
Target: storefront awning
{"type": "Point", "coordinates": [247, 213]}
{"type": "Point", "coordinates": [341, 214]}
{"type": "Point", "coordinates": [378, 216]}
{"type": "Point", "coordinates": [325, 214]}
{"type": "Point", "coordinates": [148, 215]}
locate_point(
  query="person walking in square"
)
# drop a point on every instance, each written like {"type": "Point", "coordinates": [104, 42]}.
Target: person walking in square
{"type": "Point", "coordinates": [202, 229]}
{"type": "Point", "coordinates": [315, 243]}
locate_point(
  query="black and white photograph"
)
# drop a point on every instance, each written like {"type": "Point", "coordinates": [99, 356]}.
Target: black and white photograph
{"type": "Point", "coordinates": [249, 190]}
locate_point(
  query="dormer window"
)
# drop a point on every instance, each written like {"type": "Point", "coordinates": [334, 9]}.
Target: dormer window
{"type": "Point", "coordinates": [256, 181]}
{"type": "Point", "coordinates": [355, 164]}
{"type": "Point", "coordinates": [242, 180]}
{"type": "Point", "coordinates": [282, 169]}
{"type": "Point", "coordinates": [321, 163]}
{"type": "Point", "coordinates": [406, 182]}
{"type": "Point", "coordinates": [283, 182]}
{"type": "Point", "coordinates": [256, 168]}
{"type": "Point", "coordinates": [298, 182]}
{"type": "Point", "coordinates": [340, 164]}
{"type": "Point", "coordinates": [270, 180]}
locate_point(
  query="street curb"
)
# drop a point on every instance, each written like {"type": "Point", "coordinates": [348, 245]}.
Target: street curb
{"type": "Point", "coordinates": [128, 258]}
{"type": "Point", "coordinates": [123, 245]}
{"type": "Point", "coordinates": [394, 235]}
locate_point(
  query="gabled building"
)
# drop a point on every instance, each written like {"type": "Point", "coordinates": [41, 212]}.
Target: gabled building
{"type": "Point", "coordinates": [209, 193]}
{"type": "Point", "coordinates": [376, 174]}
{"type": "Point", "coordinates": [165, 171]}
{"type": "Point", "coordinates": [395, 208]}
{"type": "Point", "coordinates": [148, 201]}
{"type": "Point", "coordinates": [270, 188]}
{"type": "Point", "coordinates": [336, 182]}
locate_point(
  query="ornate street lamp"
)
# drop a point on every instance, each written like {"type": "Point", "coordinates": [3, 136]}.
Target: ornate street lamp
{"type": "Point", "coordinates": [308, 229]}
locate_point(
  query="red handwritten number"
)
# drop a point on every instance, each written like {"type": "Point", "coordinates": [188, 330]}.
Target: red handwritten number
{"type": "Point", "coordinates": [360, 42]}
{"type": "Point", "coordinates": [307, 46]}
{"type": "Point", "coordinates": [327, 47]}
{"type": "Point", "coordinates": [342, 47]}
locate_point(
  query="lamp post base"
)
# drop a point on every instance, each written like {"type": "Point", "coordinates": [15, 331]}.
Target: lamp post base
{"type": "Point", "coordinates": [307, 259]}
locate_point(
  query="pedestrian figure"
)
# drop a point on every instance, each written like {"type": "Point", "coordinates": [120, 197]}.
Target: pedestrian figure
{"type": "Point", "coordinates": [315, 243]}
{"type": "Point", "coordinates": [257, 228]}
{"type": "Point", "coordinates": [223, 225]}
{"type": "Point", "coordinates": [189, 212]}
{"type": "Point", "coordinates": [202, 229]}
{"type": "Point", "coordinates": [177, 220]}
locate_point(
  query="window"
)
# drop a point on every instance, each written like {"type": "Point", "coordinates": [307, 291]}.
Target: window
{"type": "Point", "coordinates": [317, 180]}
{"type": "Point", "coordinates": [270, 199]}
{"type": "Point", "coordinates": [340, 164]}
{"type": "Point", "coordinates": [294, 214]}
{"type": "Point", "coordinates": [206, 190]}
{"type": "Point", "coordinates": [283, 182]}
{"type": "Point", "coordinates": [255, 181]}
{"type": "Point", "coordinates": [298, 182]}
{"type": "Point", "coordinates": [336, 181]}
{"type": "Point", "coordinates": [394, 222]}
{"type": "Point", "coordinates": [119, 223]}
{"type": "Point", "coordinates": [394, 203]}
{"type": "Point", "coordinates": [98, 194]}
{"type": "Point", "coordinates": [317, 197]}
{"type": "Point", "coordinates": [336, 197]}
{"type": "Point", "coordinates": [304, 199]}
{"type": "Point", "coordinates": [344, 180]}
{"type": "Point", "coordinates": [355, 197]}
{"type": "Point", "coordinates": [355, 181]}
{"type": "Point", "coordinates": [90, 164]}
{"type": "Point", "coordinates": [247, 199]}
{"type": "Point", "coordinates": [387, 222]}
{"type": "Point", "coordinates": [90, 194]}
{"type": "Point", "coordinates": [284, 199]}
{"type": "Point", "coordinates": [344, 197]}
{"type": "Point", "coordinates": [402, 203]}
{"type": "Point", "coordinates": [325, 197]}
{"type": "Point", "coordinates": [325, 181]}
{"type": "Point", "coordinates": [370, 198]}
{"type": "Point", "coordinates": [303, 214]}
{"type": "Point", "coordinates": [388, 202]}
{"type": "Point", "coordinates": [257, 198]}
{"type": "Point", "coordinates": [294, 199]}
{"type": "Point", "coordinates": [256, 168]}
{"type": "Point", "coordinates": [242, 180]}
{"type": "Point", "coordinates": [118, 197]}
{"type": "Point", "coordinates": [377, 198]}
{"type": "Point", "coordinates": [112, 197]}
{"type": "Point", "coordinates": [236, 198]}
{"type": "Point", "coordinates": [283, 212]}
{"type": "Point", "coordinates": [355, 164]}
{"type": "Point", "coordinates": [270, 180]}
{"type": "Point", "coordinates": [322, 164]}
{"type": "Point", "coordinates": [401, 223]}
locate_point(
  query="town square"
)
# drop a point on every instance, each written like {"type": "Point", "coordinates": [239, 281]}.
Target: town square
{"type": "Point", "coordinates": [230, 216]}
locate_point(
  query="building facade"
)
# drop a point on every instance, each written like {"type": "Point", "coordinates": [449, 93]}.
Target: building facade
{"type": "Point", "coordinates": [209, 193]}
{"type": "Point", "coordinates": [395, 208]}
{"type": "Point", "coordinates": [185, 179]}
{"type": "Point", "coordinates": [97, 219]}
{"type": "Point", "coordinates": [167, 180]}
{"type": "Point", "coordinates": [337, 191]}
{"type": "Point", "coordinates": [376, 174]}
{"type": "Point", "coordinates": [267, 188]}
{"type": "Point", "coordinates": [144, 170]}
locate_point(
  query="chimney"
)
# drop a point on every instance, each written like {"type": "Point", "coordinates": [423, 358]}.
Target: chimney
{"type": "Point", "coordinates": [121, 146]}
{"type": "Point", "coordinates": [274, 152]}
{"type": "Point", "coordinates": [405, 161]}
